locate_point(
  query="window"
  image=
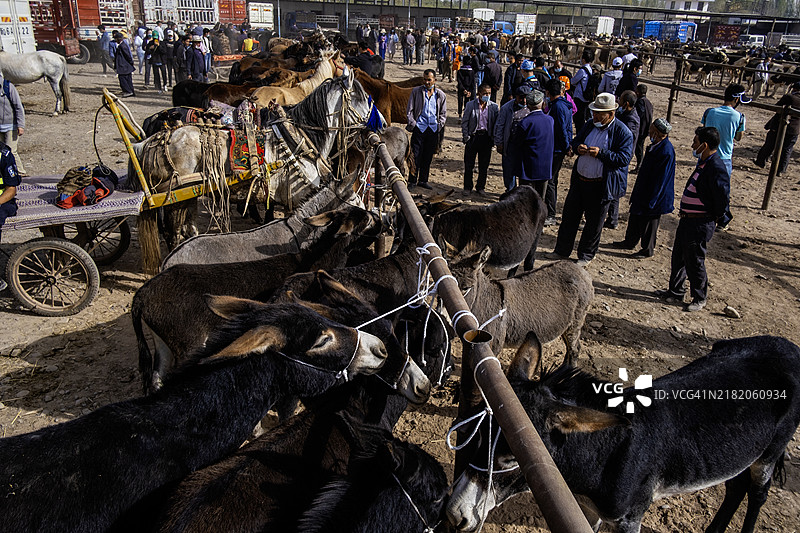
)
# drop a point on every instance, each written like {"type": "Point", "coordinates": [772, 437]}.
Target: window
{"type": "Point", "coordinates": [687, 5]}
{"type": "Point", "coordinates": [672, 6]}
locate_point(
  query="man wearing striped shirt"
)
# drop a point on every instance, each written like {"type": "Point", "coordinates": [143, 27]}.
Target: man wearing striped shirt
{"type": "Point", "coordinates": [703, 204]}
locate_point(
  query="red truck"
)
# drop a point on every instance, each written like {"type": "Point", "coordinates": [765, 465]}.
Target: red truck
{"type": "Point", "coordinates": [70, 27]}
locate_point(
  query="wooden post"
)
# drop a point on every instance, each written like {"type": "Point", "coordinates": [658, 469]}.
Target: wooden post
{"type": "Point", "coordinates": [673, 91]}
{"type": "Point", "coordinates": [776, 157]}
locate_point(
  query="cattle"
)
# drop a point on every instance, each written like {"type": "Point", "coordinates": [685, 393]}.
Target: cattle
{"type": "Point", "coordinates": [704, 64]}
{"type": "Point", "coordinates": [727, 416]}
{"type": "Point", "coordinates": [91, 469]}
{"type": "Point", "coordinates": [551, 301]}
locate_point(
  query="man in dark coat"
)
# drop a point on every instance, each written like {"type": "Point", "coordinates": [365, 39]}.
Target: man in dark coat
{"type": "Point", "coordinates": [628, 116]}
{"type": "Point", "coordinates": [182, 51]}
{"type": "Point", "coordinates": [653, 194]}
{"type": "Point", "coordinates": [789, 138]}
{"type": "Point", "coordinates": [363, 60]}
{"type": "Point", "coordinates": [644, 108]}
{"type": "Point", "coordinates": [195, 60]}
{"type": "Point", "coordinates": [492, 76]}
{"type": "Point", "coordinates": [123, 65]}
{"type": "Point", "coordinates": [561, 111]}
{"type": "Point", "coordinates": [600, 175]}
{"type": "Point", "coordinates": [532, 141]}
{"type": "Point", "coordinates": [703, 204]}
{"type": "Point", "coordinates": [477, 133]}
{"type": "Point", "coordinates": [510, 81]}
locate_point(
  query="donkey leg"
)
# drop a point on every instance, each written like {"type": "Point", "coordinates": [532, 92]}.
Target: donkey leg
{"type": "Point", "coordinates": [761, 473]}
{"type": "Point", "coordinates": [56, 91]}
{"type": "Point", "coordinates": [572, 341]}
{"type": "Point", "coordinates": [735, 489]}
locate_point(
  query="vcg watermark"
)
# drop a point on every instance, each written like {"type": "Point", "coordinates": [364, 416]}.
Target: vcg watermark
{"type": "Point", "coordinates": [645, 381]}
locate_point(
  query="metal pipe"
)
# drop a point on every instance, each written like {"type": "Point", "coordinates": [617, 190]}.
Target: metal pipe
{"type": "Point", "coordinates": [558, 505]}
{"type": "Point", "coordinates": [776, 157]}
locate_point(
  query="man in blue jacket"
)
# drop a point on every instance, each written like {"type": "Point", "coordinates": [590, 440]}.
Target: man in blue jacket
{"type": "Point", "coordinates": [605, 147]}
{"type": "Point", "coordinates": [653, 194]}
{"type": "Point", "coordinates": [502, 133]}
{"type": "Point", "coordinates": [477, 129]}
{"type": "Point", "coordinates": [195, 60]}
{"type": "Point", "coordinates": [532, 141]}
{"type": "Point", "coordinates": [123, 65]}
{"type": "Point", "coordinates": [703, 206]}
{"type": "Point", "coordinates": [561, 111]}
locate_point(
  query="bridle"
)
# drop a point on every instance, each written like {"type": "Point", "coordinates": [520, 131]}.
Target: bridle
{"type": "Point", "coordinates": [338, 374]}
{"type": "Point", "coordinates": [428, 528]}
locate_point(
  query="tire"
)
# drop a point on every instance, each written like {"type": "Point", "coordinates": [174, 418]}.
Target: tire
{"type": "Point", "coordinates": [105, 240]}
{"type": "Point", "coordinates": [52, 277]}
{"type": "Point", "coordinates": [82, 58]}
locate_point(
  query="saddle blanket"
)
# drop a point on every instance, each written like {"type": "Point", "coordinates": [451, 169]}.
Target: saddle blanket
{"type": "Point", "coordinates": [240, 152]}
{"type": "Point", "coordinates": [36, 199]}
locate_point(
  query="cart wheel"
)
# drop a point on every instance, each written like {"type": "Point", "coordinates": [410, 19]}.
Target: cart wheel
{"type": "Point", "coordinates": [105, 240]}
{"type": "Point", "coordinates": [82, 58]}
{"type": "Point", "coordinates": [52, 277]}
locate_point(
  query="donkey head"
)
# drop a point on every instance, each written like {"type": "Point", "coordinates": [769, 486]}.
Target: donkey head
{"type": "Point", "coordinates": [339, 303]}
{"type": "Point", "coordinates": [467, 264]}
{"type": "Point", "coordinates": [314, 351]}
{"type": "Point", "coordinates": [554, 418]}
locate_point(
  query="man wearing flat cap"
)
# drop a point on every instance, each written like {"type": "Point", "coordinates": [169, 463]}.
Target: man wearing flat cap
{"type": "Point", "coordinates": [533, 142]}
{"type": "Point", "coordinates": [502, 132]}
{"type": "Point", "coordinates": [604, 147]}
{"type": "Point", "coordinates": [653, 194]}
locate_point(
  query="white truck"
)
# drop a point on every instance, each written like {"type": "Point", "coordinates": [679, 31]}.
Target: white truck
{"type": "Point", "coordinates": [525, 24]}
{"type": "Point", "coordinates": [261, 15]}
{"type": "Point", "coordinates": [16, 28]}
{"type": "Point", "coordinates": [600, 26]}
{"type": "Point", "coordinates": [483, 14]}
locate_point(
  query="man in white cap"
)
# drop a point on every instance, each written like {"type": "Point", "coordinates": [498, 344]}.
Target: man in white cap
{"type": "Point", "coordinates": [611, 78]}
{"type": "Point", "coordinates": [605, 147]}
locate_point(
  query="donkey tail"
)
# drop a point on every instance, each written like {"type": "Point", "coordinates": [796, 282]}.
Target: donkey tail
{"type": "Point", "coordinates": [145, 356]}
{"type": "Point", "coordinates": [63, 84]}
{"type": "Point", "coordinates": [779, 473]}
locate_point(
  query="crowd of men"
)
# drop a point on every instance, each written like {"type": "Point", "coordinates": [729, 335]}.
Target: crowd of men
{"type": "Point", "coordinates": [532, 130]}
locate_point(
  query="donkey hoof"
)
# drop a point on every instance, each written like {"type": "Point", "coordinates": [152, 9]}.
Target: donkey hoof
{"type": "Point", "coordinates": [55, 113]}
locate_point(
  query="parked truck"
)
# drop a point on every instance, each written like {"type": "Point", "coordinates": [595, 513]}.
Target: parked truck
{"type": "Point", "coordinates": [16, 29]}
{"type": "Point", "coordinates": [233, 11]}
{"type": "Point", "coordinates": [182, 12]}
{"type": "Point", "coordinates": [261, 16]}
{"type": "Point", "coordinates": [525, 24]}
{"type": "Point", "coordinates": [70, 27]}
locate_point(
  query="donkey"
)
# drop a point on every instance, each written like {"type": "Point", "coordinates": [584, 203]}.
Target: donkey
{"type": "Point", "coordinates": [171, 304]}
{"type": "Point", "coordinates": [699, 430]}
{"type": "Point", "coordinates": [399, 488]}
{"type": "Point", "coordinates": [552, 300]}
{"type": "Point", "coordinates": [91, 469]}
{"type": "Point", "coordinates": [288, 235]}
{"type": "Point", "coordinates": [512, 227]}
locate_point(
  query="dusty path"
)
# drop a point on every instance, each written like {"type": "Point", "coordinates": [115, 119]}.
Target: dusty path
{"type": "Point", "coordinates": [53, 369]}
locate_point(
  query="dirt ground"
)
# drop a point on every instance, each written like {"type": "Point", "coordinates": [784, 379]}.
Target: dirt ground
{"type": "Point", "coordinates": [55, 369]}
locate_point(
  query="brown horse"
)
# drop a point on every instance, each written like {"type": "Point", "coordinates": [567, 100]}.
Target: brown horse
{"type": "Point", "coordinates": [391, 99]}
{"type": "Point", "coordinates": [274, 76]}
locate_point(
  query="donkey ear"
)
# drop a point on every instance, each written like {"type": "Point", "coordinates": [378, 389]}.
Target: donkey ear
{"type": "Point", "coordinates": [229, 306]}
{"type": "Point", "coordinates": [320, 309]}
{"type": "Point", "coordinates": [570, 419]}
{"type": "Point", "coordinates": [335, 291]}
{"type": "Point", "coordinates": [479, 259]}
{"type": "Point", "coordinates": [448, 250]}
{"type": "Point", "coordinates": [321, 220]}
{"type": "Point", "coordinates": [257, 340]}
{"type": "Point", "coordinates": [527, 363]}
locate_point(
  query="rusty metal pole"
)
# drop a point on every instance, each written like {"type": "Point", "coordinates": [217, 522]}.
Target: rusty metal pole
{"type": "Point", "coordinates": [558, 505]}
{"type": "Point", "coordinates": [776, 157]}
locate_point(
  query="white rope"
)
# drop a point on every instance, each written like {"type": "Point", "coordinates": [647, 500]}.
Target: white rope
{"type": "Point", "coordinates": [498, 315]}
{"type": "Point", "coordinates": [428, 529]}
{"type": "Point", "coordinates": [338, 374]}
{"type": "Point", "coordinates": [461, 314]}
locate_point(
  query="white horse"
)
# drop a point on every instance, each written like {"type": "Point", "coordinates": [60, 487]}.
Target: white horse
{"type": "Point", "coordinates": [33, 66]}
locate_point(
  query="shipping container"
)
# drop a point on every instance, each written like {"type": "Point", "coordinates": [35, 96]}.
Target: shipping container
{"type": "Point", "coordinates": [232, 11]}
{"type": "Point", "coordinates": [16, 28]}
{"type": "Point", "coordinates": [261, 15]}
{"type": "Point", "coordinates": [525, 24]}
{"type": "Point", "coordinates": [652, 28]}
{"type": "Point", "coordinates": [70, 27]}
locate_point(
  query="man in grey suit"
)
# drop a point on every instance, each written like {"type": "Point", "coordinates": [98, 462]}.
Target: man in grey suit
{"type": "Point", "coordinates": [477, 128]}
